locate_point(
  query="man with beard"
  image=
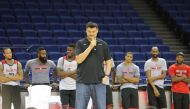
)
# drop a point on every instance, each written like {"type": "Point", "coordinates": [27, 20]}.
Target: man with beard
{"type": "Point", "coordinates": [10, 75]}
{"type": "Point", "coordinates": [155, 69]}
{"type": "Point", "coordinates": [40, 68]}
{"type": "Point", "coordinates": [180, 74]}
{"type": "Point", "coordinates": [66, 68]}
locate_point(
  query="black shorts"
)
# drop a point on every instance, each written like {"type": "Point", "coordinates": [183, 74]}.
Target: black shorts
{"type": "Point", "coordinates": [181, 100]}
{"type": "Point", "coordinates": [159, 102]}
{"type": "Point", "coordinates": [130, 98]}
{"type": "Point", "coordinates": [109, 99]}
{"type": "Point", "coordinates": [68, 97]}
{"type": "Point", "coordinates": [11, 94]}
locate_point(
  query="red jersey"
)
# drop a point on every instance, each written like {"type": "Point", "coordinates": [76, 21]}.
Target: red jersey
{"type": "Point", "coordinates": [179, 70]}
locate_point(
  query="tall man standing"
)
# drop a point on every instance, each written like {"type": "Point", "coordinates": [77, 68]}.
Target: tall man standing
{"type": "Point", "coordinates": [155, 69]}
{"type": "Point", "coordinates": [10, 75]}
{"type": "Point", "coordinates": [91, 52]}
{"type": "Point", "coordinates": [180, 74]}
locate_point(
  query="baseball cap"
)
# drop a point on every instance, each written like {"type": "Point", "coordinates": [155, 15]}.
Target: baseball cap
{"type": "Point", "coordinates": [180, 53]}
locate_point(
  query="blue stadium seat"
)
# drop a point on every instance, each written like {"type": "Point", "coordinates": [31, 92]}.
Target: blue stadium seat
{"type": "Point", "coordinates": [126, 41]}
{"type": "Point", "coordinates": [53, 48]}
{"type": "Point", "coordinates": [142, 27]}
{"type": "Point", "coordinates": [90, 13]}
{"type": "Point", "coordinates": [123, 20]}
{"type": "Point", "coordinates": [71, 27]}
{"type": "Point", "coordinates": [138, 56]}
{"type": "Point", "coordinates": [56, 26]}
{"type": "Point", "coordinates": [32, 41]}
{"type": "Point", "coordinates": [11, 26]}
{"type": "Point", "coordinates": [60, 33]}
{"type": "Point", "coordinates": [116, 48]}
{"type": "Point", "coordinates": [140, 41]}
{"type": "Point", "coordinates": [63, 13]}
{"type": "Point", "coordinates": [38, 19]}
{"type": "Point", "coordinates": [4, 40]}
{"type": "Point", "coordinates": [114, 7]}
{"type": "Point", "coordinates": [22, 56]}
{"type": "Point", "coordinates": [148, 34]}
{"type": "Point", "coordinates": [104, 34]}
{"type": "Point", "coordinates": [100, 7]}
{"type": "Point", "coordinates": [23, 19]}
{"type": "Point", "coordinates": [129, 27]}
{"type": "Point", "coordinates": [96, 19]}
{"type": "Point", "coordinates": [82, 20]}
{"type": "Point", "coordinates": [55, 55]}
{"type": "Point", "coordinates": [64, 41]}
{"type": "Point", "coordinates": [155, 41]}
{"type": "Point", "coordinates": [119, 34]}
{"type": "Point", "coordinates": [48, 41]}
{"type": "Point", "coordinates": [45, 33]}
{"type": "Point", "coordinates": [134, 34]}
{"type": "Point", "coordinates": [131, 48]}
{"type": "Point", "coordinates": [77, 34]}
{"type": "Point", "coordinates": [105, 13]}
{"type": "Point", "coordinates": [52, 19]}
{"type": "Point", "coordinates": [140, 64]}
{"type": "Point", "coordinates": [118, 56]}
{"type": "Point", "coordinates": [109, 20]}
{"type": "Point", "coordinates": [8, 19]}
{"type": "Point", "coordinates": [26, 26]}
{"type": "Point", "coordinates": [2, 33]}
{"type": "Point", "coordinates": [115, 27]}
{"type": "Point", "coordinates": [35, 12]}
{"type": "Point", "coordinates": [145, 48]}
{"type": "Point", "coordinates": [103, 27]}
{"type": "Point", "coordinates": [41, 26]}
{"type": "Point", "coordinates": [29, 33]}
{"type": "Point", "coordinates": [111, 41]}
{"type": "Point", "coordinates": [76, 13]}
{"type": "Point", "coordinates": [119, 14]}
{"type": "Point", "coordinates": [14, 33]}
{"type": "Point", "coordinates": [17, 41]}
{"type": "Point", "coordinates": [169, 56]}
{"type": "Point", "coordinates": [137, 20]}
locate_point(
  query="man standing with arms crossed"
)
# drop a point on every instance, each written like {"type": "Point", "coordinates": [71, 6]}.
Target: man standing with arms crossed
{"type": "Point", "coordinates": [155, 69]}
{"type": "Point", "coordinates": [91, 52]}
{"type": "Point", "coordinates": [10, 75]}
{"type": "Point", "coordinates": [66, 68]}
{"type": "Point", "coordinates": [180, 74]}
{"type": "Point", "coordinates": [128, 74]}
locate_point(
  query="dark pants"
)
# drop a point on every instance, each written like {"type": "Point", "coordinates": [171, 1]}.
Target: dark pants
{"type": "Point", "coordinates": [158, 102]}
{"type": "Point", "coordinates": [10, 94]}
{"type": "Point", "coordinates": [129, 98]}
{"type": "Point", "coordinates": [68, 98]}
{"type": "Point", "coordinates": [181, 101]}
{"type": "Point", "coordinates": [109, 99]}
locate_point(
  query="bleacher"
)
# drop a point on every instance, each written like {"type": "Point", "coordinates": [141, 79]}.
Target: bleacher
{"type": "Point", "coordinates": [29, 24]}
{"type": "Point", "coordinates": [177, 14]}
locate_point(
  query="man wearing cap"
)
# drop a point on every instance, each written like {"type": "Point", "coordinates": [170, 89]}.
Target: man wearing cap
{"type": "Point", "coordinates": [180, 74]}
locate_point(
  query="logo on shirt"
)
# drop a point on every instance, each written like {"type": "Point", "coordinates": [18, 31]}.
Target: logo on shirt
{"type": "Point", "coordinates": [180, 72]}
{"type": "Point", "coordinates": [40, 69]}
{"type": "Point", "coordinates": [128, 72]}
